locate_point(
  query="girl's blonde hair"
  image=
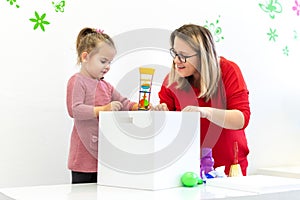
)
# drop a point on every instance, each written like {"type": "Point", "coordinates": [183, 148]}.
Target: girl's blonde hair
{"type": "Point", "coordinates": [201, 41]}
{"type": "Point", "coordinates": [89, 39]}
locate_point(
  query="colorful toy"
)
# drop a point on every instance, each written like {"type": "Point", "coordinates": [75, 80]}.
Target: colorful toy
{"type": "Point", "coordinates": [146, 76]}
{"type": "Point", "coordinates": [207, 162]}
{"type": "Point", "coordinates": [190, 179]}
{"type": "Point", "coordinates": [235, 168]}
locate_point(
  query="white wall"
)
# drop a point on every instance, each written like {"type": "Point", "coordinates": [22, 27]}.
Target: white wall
{"type": "Point", "coordinates": [35, 127]}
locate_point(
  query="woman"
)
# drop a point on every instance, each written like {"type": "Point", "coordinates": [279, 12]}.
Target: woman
{"type": "Point", "coordinates": [200, 81]}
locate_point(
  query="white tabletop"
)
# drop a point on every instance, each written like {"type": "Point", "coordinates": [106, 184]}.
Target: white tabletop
{"type": "Point", "coordinates": [94, 191]}
{"type": "Point", "coordinates": [212, 190]}
{"type": "Point", "coordinates": [283, 171]}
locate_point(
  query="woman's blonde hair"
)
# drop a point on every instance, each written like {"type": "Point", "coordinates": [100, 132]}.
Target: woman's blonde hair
{"type": "Point", "coordinates": [201, 41]}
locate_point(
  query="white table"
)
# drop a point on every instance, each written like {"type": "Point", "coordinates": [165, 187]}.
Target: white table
{"type": "Point", "coordinates": [220, 189]}
{"type": "Point", "coordinates": [94, 191]}
{"type": "Point", "coordinates": [283, 171]}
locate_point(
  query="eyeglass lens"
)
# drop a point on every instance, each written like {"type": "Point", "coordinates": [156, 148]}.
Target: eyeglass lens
{"type": "Point", "coordinates": [180, 57]}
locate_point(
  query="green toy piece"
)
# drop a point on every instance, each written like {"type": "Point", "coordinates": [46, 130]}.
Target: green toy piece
{"type": "Point", "coordinates": [190, 179]}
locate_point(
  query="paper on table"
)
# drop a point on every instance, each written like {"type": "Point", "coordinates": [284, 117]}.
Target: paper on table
{"type": "Point", "coordinates": [257, 183]}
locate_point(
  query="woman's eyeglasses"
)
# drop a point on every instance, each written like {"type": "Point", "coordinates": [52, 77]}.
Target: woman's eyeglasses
{"type": "Point", "coordinates": [181, 57]}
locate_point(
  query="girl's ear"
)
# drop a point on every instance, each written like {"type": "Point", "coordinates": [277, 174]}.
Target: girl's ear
{"type": "Point", "coordinates": [84, 56]}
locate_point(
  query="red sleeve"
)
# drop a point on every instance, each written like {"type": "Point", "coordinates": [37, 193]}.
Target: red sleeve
{"type": "Point", "coordinates": [166, 95]}
{"type": "Point", "coordinates": [237, 94]}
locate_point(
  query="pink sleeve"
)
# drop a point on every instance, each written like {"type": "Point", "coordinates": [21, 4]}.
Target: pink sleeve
{"type": "Point", "coordinates": [70, 87]}
{"type": "Point", "coordinates": [76, 94]}
{"type": "Point", "coordinates": [116, 96]}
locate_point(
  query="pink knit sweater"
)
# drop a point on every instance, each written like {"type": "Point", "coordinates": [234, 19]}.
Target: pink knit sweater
{"type": "Point", "coordinates": [83, 93]}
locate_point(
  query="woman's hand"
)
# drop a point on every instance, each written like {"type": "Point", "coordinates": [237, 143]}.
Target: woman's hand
{"type": "Point", "coordinates": [160, 107]}
{"type": "Point", "coordinates": [204, 111]}
{"type": "Point", "coordinates": [230, 119]}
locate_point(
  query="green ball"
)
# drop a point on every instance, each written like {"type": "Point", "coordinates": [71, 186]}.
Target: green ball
{"type": "Point", "coordinates": [189, 179]}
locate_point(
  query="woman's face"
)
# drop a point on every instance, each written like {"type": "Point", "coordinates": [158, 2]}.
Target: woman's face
{"type": "Point", "coordinates": [181, 48]}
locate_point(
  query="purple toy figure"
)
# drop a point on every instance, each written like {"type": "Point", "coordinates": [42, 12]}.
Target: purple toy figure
{"type": "Point", "coordinates": [207, 162]}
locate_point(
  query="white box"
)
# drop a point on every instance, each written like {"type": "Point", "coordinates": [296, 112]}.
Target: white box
{"type": "Point", "coordinates": [147, 149]}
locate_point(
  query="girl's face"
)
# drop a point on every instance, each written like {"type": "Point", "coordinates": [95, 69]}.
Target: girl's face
{"type": "Point", "coordinates": [98, 64]}
{"type": "Point", "coordinates": [181, 48]}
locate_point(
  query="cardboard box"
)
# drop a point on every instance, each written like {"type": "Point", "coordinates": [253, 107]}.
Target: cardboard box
{"type": "Point", "coordinates": [147, 149]}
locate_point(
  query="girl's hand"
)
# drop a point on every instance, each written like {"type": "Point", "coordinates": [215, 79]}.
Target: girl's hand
{"type": "Point", "coordinates": [112, 106]}
{"type": "Point", "coordinates": [115, 106]}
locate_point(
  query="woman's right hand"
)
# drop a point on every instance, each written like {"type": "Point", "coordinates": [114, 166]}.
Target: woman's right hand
{"type": "Point", "coordinates": [160, 107]}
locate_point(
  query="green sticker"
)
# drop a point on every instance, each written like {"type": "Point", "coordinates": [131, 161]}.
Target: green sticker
{"type": "Point", "coordinates": [215, 30]}
{"type": "Point", "coordinates": [272, 7]}
{"type": "Point", "coordinates": [39, 21]}
{"type": "Point", "coordinates": [272, 35]}
{"type": "Point", "coordinates": [12, 2]}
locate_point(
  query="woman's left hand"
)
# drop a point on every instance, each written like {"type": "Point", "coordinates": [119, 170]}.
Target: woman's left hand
{"type": "Point", "coordinates": [204, 111]}
{"type": "Point", "coordinates": [160, 107]}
